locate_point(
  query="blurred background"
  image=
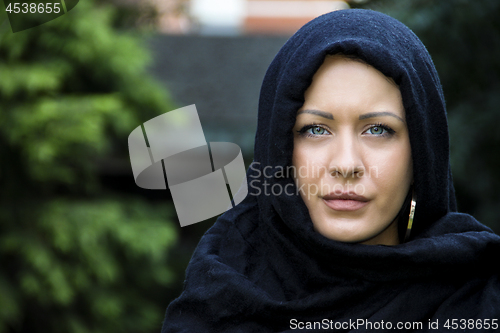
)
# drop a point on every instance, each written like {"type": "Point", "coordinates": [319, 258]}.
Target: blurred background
{"type": "Point", "coordinates": [82, 248]}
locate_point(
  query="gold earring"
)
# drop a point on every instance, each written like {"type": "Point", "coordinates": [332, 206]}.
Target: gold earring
{"type": "Point", "coordinates": [412, 214]}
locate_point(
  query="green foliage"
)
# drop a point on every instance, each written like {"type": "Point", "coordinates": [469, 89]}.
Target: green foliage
{"type": "Point", "coordinates": [64, 83]}
{"type": "Point", "coordinates": [463, 37]}
{"type": "Point", "coordinates": [77, 257]}
{"type": "Point", "coordinates": [91, 265]}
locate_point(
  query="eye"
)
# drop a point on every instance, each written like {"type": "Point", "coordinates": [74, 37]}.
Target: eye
{"type": "Point", "coordinates": [317, 130]}
{"type": "Point", "coordinates": [313, 131]}
{"type": "Point", "coordinates": [376, 130]}
{"type": "Point", "coordinates": [380, 130]}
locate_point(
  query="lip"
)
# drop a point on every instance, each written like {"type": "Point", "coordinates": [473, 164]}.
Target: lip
{"type": "Point", "coordinates": [347, 201]}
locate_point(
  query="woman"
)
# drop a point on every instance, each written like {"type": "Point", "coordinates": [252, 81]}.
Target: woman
{"type": "Point", "coordinates": [354, 102]}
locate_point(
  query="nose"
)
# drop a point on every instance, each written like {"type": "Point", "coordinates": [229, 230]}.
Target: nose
{"type": "Point", "coordinates": [345, 157]}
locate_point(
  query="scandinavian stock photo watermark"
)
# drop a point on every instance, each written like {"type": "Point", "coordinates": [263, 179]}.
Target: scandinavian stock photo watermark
{"type": "Point", "coordinates": [261, 176]}
{"type": "Point", "coordinates": [368, 325]}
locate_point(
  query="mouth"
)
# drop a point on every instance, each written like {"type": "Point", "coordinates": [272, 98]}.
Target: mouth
{"type": "Point", "coordinates": [346, 201]}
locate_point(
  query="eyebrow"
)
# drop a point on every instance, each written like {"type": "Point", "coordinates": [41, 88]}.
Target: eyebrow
{"type": "Point", "coordinates": [361, 117]}
{"type": "Point", "coordinates": [380, 114]}
{"type": "Point", "coordinates": [318, 113]}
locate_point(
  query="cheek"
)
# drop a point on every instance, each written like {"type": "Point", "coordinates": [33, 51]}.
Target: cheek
{"type": "Point", "coordinates": [309, 164]}
{"type": "Point", "coordinates": [392, 171]}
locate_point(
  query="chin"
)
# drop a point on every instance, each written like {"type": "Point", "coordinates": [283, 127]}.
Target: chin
{"type": "Point", "coordinates": [351, 232]}
{"type": "Point", "coordinates": [337, 233]}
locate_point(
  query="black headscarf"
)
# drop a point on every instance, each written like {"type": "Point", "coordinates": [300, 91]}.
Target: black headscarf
{"type": "Point", "coordinates": [263, 268]}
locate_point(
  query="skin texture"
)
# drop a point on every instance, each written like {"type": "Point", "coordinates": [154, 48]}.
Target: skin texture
{"type": "Point", "coordinates": [358, 144]}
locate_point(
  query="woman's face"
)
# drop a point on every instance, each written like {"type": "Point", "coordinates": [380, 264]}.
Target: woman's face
{"type": "Point", "coordinates": [352, 153]}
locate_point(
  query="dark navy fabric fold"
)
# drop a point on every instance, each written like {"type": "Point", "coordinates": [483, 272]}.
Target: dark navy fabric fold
{"type": "Point", "coordinates": [262, 267]}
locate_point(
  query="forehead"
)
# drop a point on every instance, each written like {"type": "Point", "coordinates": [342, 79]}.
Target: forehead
{"type": "Point", "coordinates": [345, 83]}
{"type": "Point", "coordinates": [339, 64]}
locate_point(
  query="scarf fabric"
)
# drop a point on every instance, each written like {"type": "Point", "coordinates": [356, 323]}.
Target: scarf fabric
{"type": "Point", "coordinates": [263, 268]}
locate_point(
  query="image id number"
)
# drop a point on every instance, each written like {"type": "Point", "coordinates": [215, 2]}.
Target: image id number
{"type": "Point", "coordinates": [471, 324]}
{"type": "Point", "coordinates": [33, 8]}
